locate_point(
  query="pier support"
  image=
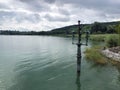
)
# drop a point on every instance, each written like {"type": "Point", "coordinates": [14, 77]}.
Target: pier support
{"type": "Point", "coordinates": [79, 44]}
{"type": "Point", "coordinates": [79, 50]}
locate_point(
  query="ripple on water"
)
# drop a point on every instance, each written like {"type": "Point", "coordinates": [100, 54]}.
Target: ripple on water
{"type": "Point", "coordinates": [2, 86]}
{"type": "Point", "coordinates": [54, 77]}
{"type": "Point", "coordinates": [69, 65]}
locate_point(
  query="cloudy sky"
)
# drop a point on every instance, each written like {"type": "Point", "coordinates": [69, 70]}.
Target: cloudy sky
{"type": "Point", "coordinates": [43, 15]}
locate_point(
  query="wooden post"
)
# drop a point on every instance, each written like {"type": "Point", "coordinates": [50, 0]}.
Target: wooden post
{"type": "Point", "coordinates": [79, 44]}
{"type": "Point", "coordinates": [79, 50]}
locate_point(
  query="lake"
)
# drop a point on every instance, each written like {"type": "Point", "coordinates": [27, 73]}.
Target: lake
{"type": "Point", "coordinates": [49, 63]}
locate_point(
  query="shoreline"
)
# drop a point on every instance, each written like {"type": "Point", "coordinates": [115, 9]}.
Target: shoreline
{"type": "Point", "coordinates": [111, 55]}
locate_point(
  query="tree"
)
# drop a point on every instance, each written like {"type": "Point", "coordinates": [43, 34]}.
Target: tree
{"type": "Point", "coordinates": [117, 29]}
{"type": "Point", "coordinates": [110, 29]}
{"type": "Point", "coordinates": [98, 28]}
{"type": "Point", "coordinates": [86, 28]}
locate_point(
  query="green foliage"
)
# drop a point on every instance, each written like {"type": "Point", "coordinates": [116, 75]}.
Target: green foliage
{"type": "Point", "coordinates": [118, 29]}
{"type": "Point", "coordinates": [113, 41]}
{"type": "Point", "coordinates": [86, 28]}
{"type": "Point", "coordinates": [98, 37]}
{"type": "Point", "coordinates": [98, 28]}
{"type": "Point", "coordinates": [111, 28]}
{"type": "Point", "coordinates": [103, 37]}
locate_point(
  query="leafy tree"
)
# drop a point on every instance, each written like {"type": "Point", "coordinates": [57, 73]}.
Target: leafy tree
{"type": "Point", "coordinates": [98, 28]}
{"type": "Point", "coordinates": [110, 29]}
{"type": "Point", "coordinates": [117, 29]}
{"type": "Point", "coordinates": [86, 28]}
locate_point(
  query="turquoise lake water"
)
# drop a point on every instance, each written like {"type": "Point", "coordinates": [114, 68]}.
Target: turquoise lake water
{"type": "Point", "coordinates": [49, 63]}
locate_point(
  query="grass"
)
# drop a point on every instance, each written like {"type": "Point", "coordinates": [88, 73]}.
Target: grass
{"type": "Point", "coordinates": [100, 37]}
{"type": "Point", "coordinates": [113, 40]}
{"type": "Point", "coordinates": [94, 54]}
{"type": "Point", "coordinates": [114, 62]}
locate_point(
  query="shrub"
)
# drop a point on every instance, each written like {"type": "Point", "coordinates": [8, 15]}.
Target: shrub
{"type": "Point", "coordinates": [113, 41]}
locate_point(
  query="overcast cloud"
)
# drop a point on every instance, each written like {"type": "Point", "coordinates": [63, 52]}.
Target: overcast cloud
{"type": "Point", "coordinates": [43, 15]}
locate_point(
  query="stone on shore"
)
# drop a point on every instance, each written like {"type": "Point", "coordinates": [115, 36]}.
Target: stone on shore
{"type": "Point", "coordinates": [112, 53]}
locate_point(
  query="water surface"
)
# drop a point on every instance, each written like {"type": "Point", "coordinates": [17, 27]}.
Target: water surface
{"type": "Point", "coordinates": [49, 63]}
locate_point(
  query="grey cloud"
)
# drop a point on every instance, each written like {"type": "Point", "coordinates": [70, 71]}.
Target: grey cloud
{"type": "Point", "coordinates": [35, 5]}
{"type": "Point", "coordinates": [56, 18]}
{"type": "Point", "coordinates": [64, 12]}
{"type": "Point", "coordinates": [105, 6]}
{"type": "Point", "coordinates": [50, 1]}
{"type": "Point", "coordinates": [19, 17]}
{"type": "Point", "coordinates": [108, 6]}
{"type": "Point", "coordinates": [6, 16]}
{"type": "Point", "coordinates": [40, 6]}
{"type": "Point", "coordinates": [33, 18]}
{"type": "Point", "coordinates": [3, 6]}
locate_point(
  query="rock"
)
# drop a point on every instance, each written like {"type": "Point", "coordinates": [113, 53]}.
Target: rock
{"type": "Point", "coordinates": [112, 53]}
{"type": "Point", "coordinates": [115, 49]}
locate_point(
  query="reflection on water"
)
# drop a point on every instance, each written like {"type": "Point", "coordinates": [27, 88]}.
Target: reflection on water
{"type": "Point", "coordinates": [118, 68]}
{"type": "Point", "coordinates": [78, 82]}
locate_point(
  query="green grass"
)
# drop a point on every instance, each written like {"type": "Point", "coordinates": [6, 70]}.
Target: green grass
{"type": "Point", "coordinates": [100, 37]}
{"type": "Point", "coordinates": [113, 40]}
{"type": "Point", "coordinates": [94, 54]}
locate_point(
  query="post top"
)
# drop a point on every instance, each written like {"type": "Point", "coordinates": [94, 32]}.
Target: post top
{"type": "Point", "coordinates": [78, 21]}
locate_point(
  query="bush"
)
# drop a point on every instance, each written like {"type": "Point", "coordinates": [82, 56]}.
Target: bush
{"type": "Point", "coordinates": [113, 41]}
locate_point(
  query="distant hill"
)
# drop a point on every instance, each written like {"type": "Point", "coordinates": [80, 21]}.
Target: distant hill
{"type": "Point", "coordinates": [97, 27]}
{"type": "Point", "coordinates": [71, 28]}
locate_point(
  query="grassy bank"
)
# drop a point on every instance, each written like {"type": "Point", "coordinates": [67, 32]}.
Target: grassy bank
{"type": "Point", "coordinates": [94, 54]}
{"type": "Point", "coordinates": [101, 37]}
{"type": "Point", "coordinates": [111, 40]}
